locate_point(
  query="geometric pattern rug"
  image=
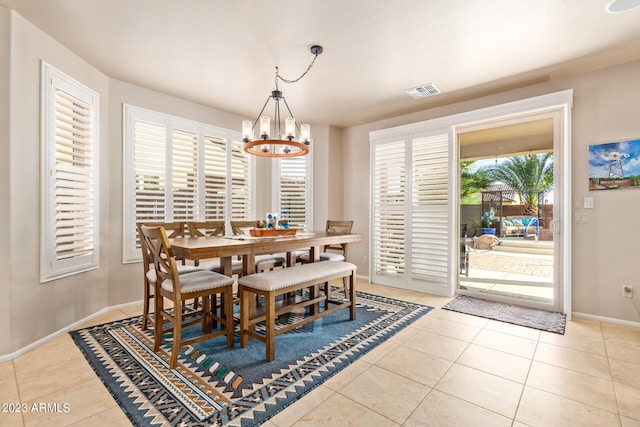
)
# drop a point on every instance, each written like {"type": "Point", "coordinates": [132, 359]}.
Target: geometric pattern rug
{"type": "Point", "coordinates": [216, 386]}
{"type": "Point", "coordinates": [549, 321]}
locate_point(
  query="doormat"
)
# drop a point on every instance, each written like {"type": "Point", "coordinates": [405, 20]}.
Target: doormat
{"type": "Point", "coordinates": [523, 316]}
{"type": "Point", "coordinates": [216, 386]}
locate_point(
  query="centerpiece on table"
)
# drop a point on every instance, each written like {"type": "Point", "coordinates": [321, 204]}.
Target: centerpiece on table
{"type": "Point", "coordinates": [271, 228]}
{"type": "Point", "coordinates": [487, 222]}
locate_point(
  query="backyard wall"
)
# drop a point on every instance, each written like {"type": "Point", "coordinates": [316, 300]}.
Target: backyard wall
{"type": "Point", "coordinates": [470, 213]}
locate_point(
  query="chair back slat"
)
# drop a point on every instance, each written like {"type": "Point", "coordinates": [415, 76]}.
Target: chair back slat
{"type": "Point", "coordinates": [155, 238]}
{"type": "Point", "coordinates": [206, 228]}
{"type": "Point", "coordinates": [339, 226]}
{"type": "Point", "coordinates": [147, 258]}
{"type": "Point", "coordinates": [242, 227]}
{"type": "Point", "coordinates": [172, 229]}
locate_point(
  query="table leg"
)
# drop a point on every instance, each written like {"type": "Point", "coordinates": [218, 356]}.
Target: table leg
{"type": "Point", "coordinates": [248, 264]}
{"type": "Point", "coordinates": [226, 266]}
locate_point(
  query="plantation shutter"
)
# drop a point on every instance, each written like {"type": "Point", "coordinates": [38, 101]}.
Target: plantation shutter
{"type": "Point", "coordinates": [241, 193]}
{"type": "Point", "coordinates": [389, 187]}
{"type": "Point", "coordinates": [429, 209]}
{"type": "Point", "coordinates": [184, 175]}
{"type": "Point", "coordinates": [75, 201]}
{"type": "Point", "coordinates": [70, 200]}
{"type": "Point", "coordinates": [411, 212]}
{"type": "Point", "coordinates": [150, 172]}
{"type": "Point", "coordinates": [293, 191]}
{"type": "Point", "coordinates": [215, 181]}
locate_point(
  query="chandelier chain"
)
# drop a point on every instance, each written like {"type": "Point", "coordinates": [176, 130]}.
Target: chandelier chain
{"type": "Point", "coordinates": [278, 76]}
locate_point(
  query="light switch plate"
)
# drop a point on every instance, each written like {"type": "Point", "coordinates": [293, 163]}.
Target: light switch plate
{"type": "Point", "coordinates": [588, 202]}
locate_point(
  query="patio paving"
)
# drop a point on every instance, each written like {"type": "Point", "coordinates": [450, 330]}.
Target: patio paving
{"type": "Point", "coordinates": [517, 275]}
{"type": "Point", "coordinates": [531, 265]}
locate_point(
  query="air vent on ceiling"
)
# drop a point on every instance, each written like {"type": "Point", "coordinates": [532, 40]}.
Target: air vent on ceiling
{"type": "Point", "coordinates": [423, 90]}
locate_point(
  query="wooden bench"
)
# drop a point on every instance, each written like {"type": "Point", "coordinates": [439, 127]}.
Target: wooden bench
{"type": "Point", "coordinates": [284, 283]}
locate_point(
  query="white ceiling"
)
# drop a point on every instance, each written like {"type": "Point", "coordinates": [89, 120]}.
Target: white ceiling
{"type": "Point", "coordinates": [223, 53]}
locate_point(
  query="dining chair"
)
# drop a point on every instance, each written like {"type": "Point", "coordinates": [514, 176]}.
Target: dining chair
{"type": "Point", "coordinates": [175, 287]}
{"type": "Point", "coordinates": [173, 229]}
{"type": "Point", "coordinates": [337, 252]}
{"type": "Point", "coordinates": [176, 229]}
{"type": "Point", "coordinates": [263, 262]}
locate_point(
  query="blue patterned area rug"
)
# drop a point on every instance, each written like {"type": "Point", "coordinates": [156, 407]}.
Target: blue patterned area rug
{"type": "Point", "coordinates": [215, 386]}
{"type": "Point", "coordinates": [549, 321]}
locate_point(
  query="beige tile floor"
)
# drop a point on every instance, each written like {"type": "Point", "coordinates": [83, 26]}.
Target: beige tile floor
{"type": "Point", "coordinates": [446, 369]}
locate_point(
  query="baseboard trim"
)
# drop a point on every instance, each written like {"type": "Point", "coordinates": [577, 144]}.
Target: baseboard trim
{"type": "Point", "coordinates": [75, 325]}
{"type": "Point", "coordinates": [606, 319]}
{"type": "Point", "coordinates": [79, 323]}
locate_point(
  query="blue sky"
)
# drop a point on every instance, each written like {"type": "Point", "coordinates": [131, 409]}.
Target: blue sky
{"type": "Point", "coordinates": [627, 151]}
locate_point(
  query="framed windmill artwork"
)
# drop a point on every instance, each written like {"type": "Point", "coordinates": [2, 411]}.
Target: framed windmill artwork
{"type": "Point", "coordinates": [614, 165]}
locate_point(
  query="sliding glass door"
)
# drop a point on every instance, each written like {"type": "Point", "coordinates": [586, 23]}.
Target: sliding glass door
{"type": "Point", "coordinates": [417, 238]}
{"type": "Point", "coordinates": [508, 174]}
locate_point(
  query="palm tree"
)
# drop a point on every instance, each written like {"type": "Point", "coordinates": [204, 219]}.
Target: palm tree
{"type": "Point", "coordinates": [528, 176]}
{"type": "Point", "coordinates": [472, 183]}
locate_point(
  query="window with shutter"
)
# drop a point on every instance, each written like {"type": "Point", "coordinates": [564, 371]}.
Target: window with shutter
{"type": "Point", "coordinates": [69, 189]}
{"type": "Point", "coordinates": [215, 164]}
{"type": "Point", "coordinates": [184, 175]}
{"type": "Point", "coordinates": [150, 171]}
{"type": "Point", "coordinates": [180, 170]}
{"type": "Point", "coordinates": [294, 191]}
{"type": "Point", "coordinates": [241, 179]}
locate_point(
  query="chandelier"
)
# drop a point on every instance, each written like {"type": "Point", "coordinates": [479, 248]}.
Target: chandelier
{"type": "Point", "coordinates": [276, 140]}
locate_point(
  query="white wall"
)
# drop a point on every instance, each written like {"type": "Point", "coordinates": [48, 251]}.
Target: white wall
{"type": "Point", "coordinates": [36, 309]}
{"type": "Point", "coordinates": [606, 251]}
{"type": "Point", "coordinates": [5, 227]}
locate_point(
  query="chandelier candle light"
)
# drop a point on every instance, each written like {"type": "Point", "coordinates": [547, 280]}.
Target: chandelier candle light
{"type": "Point", "coordinates": [281, 144]}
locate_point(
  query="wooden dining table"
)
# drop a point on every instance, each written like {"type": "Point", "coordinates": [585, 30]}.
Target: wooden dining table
{"type": "Point", "coordinates": [225, 248]}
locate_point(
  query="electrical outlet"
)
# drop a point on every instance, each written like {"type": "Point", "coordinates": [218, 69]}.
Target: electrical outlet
{"type": "Point", "coordinates": [580, 218]}
{"type": "Point", "coordinates": [627, 291]}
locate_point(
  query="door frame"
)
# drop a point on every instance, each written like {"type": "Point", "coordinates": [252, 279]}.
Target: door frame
{"type": "Point", "coordinates": [558, 247]}
{"type": "Point", "coordinates": [559, 102]}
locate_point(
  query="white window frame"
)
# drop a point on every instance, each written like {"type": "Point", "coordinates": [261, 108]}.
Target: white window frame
{"type": "Point", "coordinates": [276, 195]}
{"type": "Point", "coordinates": [52, 266]}
{"type": "Point", "coordinates": [131, 114]}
